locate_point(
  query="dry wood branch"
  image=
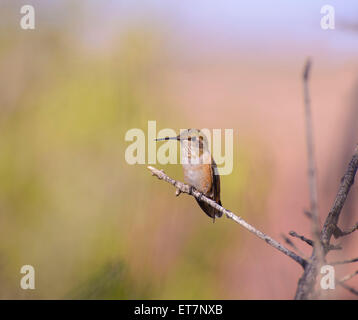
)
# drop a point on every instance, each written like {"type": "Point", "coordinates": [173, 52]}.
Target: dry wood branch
{"type": "Point", "coordinates": [342, 283]}
{"type": "Point", "coordinates": [312, 175]}
{"type": "Point", "coordinates": [311, 243]}
{"type": "Point", "coordinates": [307, 214]}
{"type": "Point", "coordinates": [350, 289]}
{"type": "Point", "coordinates": [349, 276]}
{"type": "Point", "coordinates": [344, 262]}
{"type": "Point", "coordinates": [184, 188]}
{"type": "Point", "coordinates": [293, 246]}
{"type": "Point", "coordinates": [330, 225]}
{"type": "Point", "coordinates": [339, 233]}
{"type": "Point", "coordinates": [303, 238]}
{"type": "Point", "coordinates": [334, 247]}
{"type": "Point", "coordinates": [346, 278]}
{"type": "Point", "coordinates": [308, 279]}
{"type": "Point", "coordinates": [307, 284]}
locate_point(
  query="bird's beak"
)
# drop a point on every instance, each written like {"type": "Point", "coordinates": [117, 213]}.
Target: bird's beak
{"type": "Point", "coordinates": [168, 138]}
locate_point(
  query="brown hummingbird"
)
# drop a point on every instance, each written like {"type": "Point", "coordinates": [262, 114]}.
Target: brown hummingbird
{"type": "Point", "coordinates": [200, 170]}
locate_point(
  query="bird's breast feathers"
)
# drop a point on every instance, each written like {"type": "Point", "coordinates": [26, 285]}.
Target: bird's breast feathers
{"type": "Point", "coordinates": [199, 176]}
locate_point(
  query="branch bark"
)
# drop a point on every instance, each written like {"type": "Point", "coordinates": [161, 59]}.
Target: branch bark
{"type": "Point", "coordinates": [344, 262]}
{"type": "Point", "coordinates": [340, 233]}
{"type": "Point", "coordinates": [321, 239]}
{"type": "Point", "coordinates": [308, 279]}
{"type": "Point", "coordinates": [350, 289]}
{"type": "Point", "coordinates": [303, 238]}
{"type": "Point", "coordinates": [345, 286]}
{"type": "Point", "coordinates": [312, 174]}
{"type": "Point", "coordinates": [349, 276]}
{"type": "Point", "coordinates": [331, 224]}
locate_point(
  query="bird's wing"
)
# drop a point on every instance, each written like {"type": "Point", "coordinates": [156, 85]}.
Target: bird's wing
{"type": "Point", "coordinates": [216, 182]}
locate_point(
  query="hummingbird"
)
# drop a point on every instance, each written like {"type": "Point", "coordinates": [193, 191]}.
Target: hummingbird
{"type": "Point", "coordinates": [200, 170]}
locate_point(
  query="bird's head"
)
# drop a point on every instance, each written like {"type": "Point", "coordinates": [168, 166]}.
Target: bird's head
{"type": "Point", "coordinates": [191, 135]}
{"type": "Point", "coordinates": [191, 139]}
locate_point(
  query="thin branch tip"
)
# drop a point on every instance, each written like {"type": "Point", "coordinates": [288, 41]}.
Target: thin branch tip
{"type": "Point", "coordinates": [307, 69]}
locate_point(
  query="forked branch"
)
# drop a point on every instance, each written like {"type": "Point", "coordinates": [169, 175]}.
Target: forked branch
{"type": "Point", "coordinates": [321, 238]}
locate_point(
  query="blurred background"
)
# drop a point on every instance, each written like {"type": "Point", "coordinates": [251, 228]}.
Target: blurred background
{"type": "Point", "coordinates": [95, 227]}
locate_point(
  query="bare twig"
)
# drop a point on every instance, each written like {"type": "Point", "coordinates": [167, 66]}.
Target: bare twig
{"type": "Point", "coordinates": [303, 238]}
{"type": "Point", "coordinates": [308, 214]}
{"type": "Point", "coordinates": [342, 283]}
{"type": "Point", "coordinates": [344, 262]}
{"type": "Point", "coordinates": [311, 243]}
{"type": "Point", "coordinates": [308, 279]}
{"type": "Point", "coordinates": [184, 188]}
{"type": "Point", "coordinates": [347, 181]}
{"type": "Point", "coordinates": [349, 276]}
{"type": "Point", "coordinates": [293, 246]}
{"type": "Point", "coordinates": [350, 289]}
{"type": "Point", "coordinates": [312, 175]}
{"type": "Point", "coordinates": [334, 247]}
{"type": "Point", "coordinates": [337, 233]}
